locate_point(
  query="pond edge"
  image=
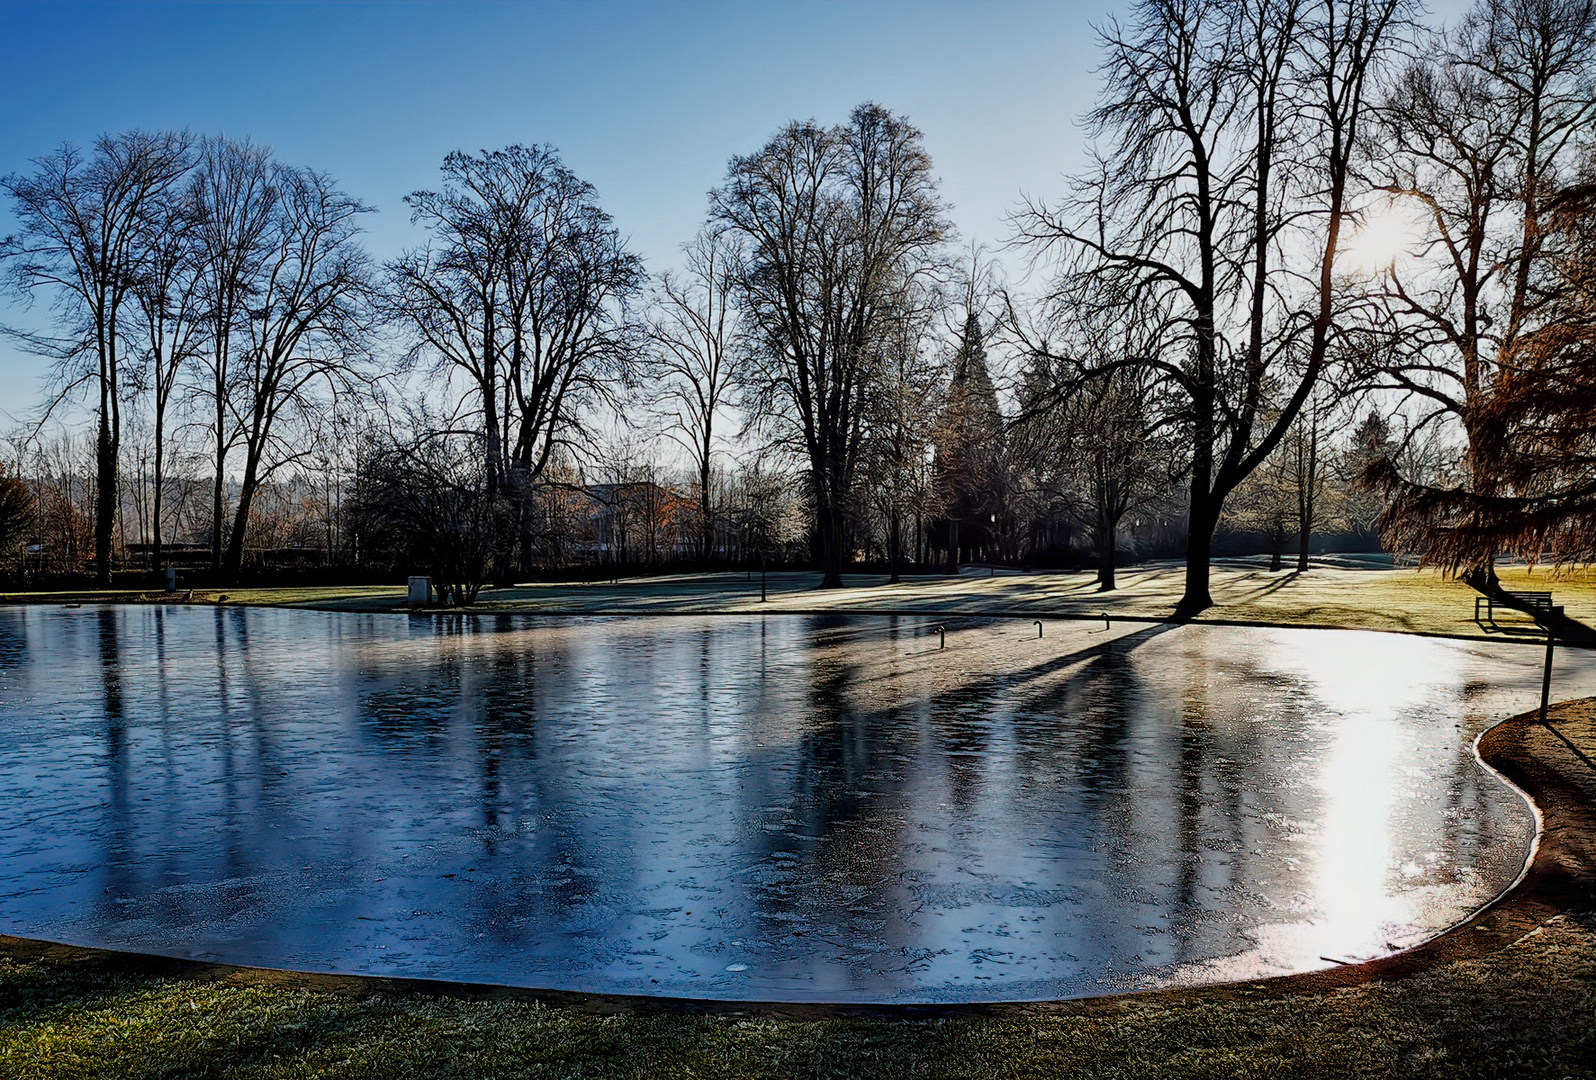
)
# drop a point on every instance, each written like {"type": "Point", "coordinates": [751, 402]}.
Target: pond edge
{"type": "Point", "coordinates": [1559, 875]}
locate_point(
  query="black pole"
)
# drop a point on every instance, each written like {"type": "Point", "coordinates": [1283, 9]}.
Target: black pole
{"type": "Point", "coordinates": [762, 578]}
{"type": "Point", "coordinates": [1546, 676]}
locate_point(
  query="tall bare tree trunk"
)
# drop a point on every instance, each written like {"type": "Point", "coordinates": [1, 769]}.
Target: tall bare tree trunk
{"type": "Point", "coordinates": [218, 490]}
{"type": "Point", "coordinates": [107, 450]}
{"type": "Point", "coordinates": [157, 555]}
{"type": "Point", "coordinates": [894, 547]}
{"type": "Point", "coordinates": [1108, 497]}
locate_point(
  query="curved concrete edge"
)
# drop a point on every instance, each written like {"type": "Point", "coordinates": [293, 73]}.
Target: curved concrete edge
{"type": "Point", "coordinates": [1558, 778]}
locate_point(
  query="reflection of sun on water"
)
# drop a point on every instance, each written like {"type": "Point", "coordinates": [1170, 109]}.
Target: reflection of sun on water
{"type": "Point", "coordinates": [1367, 675]}
{"type": "Point", "coordinates": [1355, 841]}
{"type": "Point", "coordinates": [1383, 237]}
{"type": "Point", "coordinates": [1365, 683]}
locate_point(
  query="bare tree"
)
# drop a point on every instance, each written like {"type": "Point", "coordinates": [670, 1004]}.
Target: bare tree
{"type": "Point", "coordinates": [1480, 130]}
{"type": "Point", "coordinates": [904, 411]}
{"type": "Point", "coordinates": [1263, 504]}
{"type": "Point", "coordinates": [86, 224]}
{"type": "Point", "coordinates": [337, 430]}
{"type": "Point", "coordinates": [1289, 495]}
{"type": "Point", "coordinates": [302, 329]}
{"type": "Point", "coordinates": [234, 201]}
{"type": "Point", "coordinates": [619, 469]}
{"type": "Point", "coordinates": [766, 507]}
{"type": "Point", "coordinates": [1537, 436]}
{"type": "Point", "coordinates": [693, 327]}
{"type": "Point", "coordinates": [18, 519]}
{"type": "Point", "coordinates": [60, 475]}
{"type": "Point", "coordinates": [1087, 434]}
{"type": "Point", "coordinates": [170, 332]}
{"type": "Point", "coordinates": [1219, 208]}
{"type": "Point", "coordinates": [837, 225]}
{"type": "Point", "coordinates": [524, 290]}
{"type": "Point", "coordinates": [1304, 448]}
{"type": "Point", "coordinates": [430, 494]}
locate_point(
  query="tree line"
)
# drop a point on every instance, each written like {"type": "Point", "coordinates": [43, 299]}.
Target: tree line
{"type": "Point", "coordinates": [1206, 341]}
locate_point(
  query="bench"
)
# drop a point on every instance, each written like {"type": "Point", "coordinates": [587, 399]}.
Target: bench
{"type": "Point", "coordinates": [1535, 604]}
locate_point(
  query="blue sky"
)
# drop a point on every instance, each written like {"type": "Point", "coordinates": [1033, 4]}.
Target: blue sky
{"type": "Point", "coordinates": [646, 100]}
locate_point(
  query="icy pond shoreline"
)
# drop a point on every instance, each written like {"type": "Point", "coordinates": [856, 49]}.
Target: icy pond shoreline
{"type": "Point", "coordinates": [786, 807]}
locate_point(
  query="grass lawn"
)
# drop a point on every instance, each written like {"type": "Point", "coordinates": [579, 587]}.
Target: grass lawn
{"type": "Point", "coordinates": [1516, 999]}
{"type": "Point", "coordinates": [1418, 601]}
{"type": "Point", "coordinates": [1527, 1011]}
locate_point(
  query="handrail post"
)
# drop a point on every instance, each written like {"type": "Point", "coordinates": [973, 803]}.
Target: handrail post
{"type": "Point", "coordinates": [1546, 674]}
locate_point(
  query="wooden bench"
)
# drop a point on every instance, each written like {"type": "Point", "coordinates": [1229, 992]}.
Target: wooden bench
{"type": "Point", "coordinates": [1535, 604]}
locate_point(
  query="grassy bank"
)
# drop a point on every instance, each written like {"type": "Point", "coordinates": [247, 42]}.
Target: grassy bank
{"type": "Point", "coordinates": [1417, 601]}
{"type": "Point", "coordinates": [1526, 1011]}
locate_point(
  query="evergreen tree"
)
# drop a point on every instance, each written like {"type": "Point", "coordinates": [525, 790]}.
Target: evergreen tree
{"type": "Point", "coordinates": [970, 449]}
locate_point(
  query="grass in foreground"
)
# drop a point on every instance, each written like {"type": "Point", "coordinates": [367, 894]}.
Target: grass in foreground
{"type": "Point", "coordinates": [1525, 1012]}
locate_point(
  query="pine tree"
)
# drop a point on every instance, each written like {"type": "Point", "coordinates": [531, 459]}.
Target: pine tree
{"type": "Point", "coordinates": [970, 449]}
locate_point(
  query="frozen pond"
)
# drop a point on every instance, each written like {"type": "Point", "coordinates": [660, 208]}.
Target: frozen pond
{"type": "Point", "coordinates": [778, 808]}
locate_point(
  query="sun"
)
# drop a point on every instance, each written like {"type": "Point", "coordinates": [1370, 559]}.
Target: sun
{"type": "Point", "coordinates": [1383, 237]}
